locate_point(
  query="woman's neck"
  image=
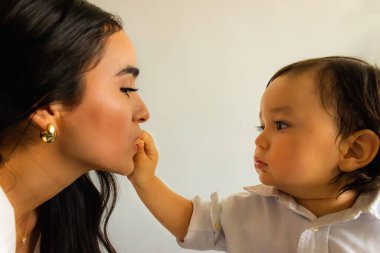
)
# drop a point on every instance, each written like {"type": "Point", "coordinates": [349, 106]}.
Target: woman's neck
{"type": "Point", "coordinates": [27, 237]}
{"type": "Point", "coordinates": [31, 178]}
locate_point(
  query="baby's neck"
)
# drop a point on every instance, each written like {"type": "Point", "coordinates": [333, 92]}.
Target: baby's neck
{"type": "Point", "coordinates": [323, 206]}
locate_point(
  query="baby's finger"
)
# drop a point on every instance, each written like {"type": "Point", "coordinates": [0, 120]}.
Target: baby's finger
{"type": "Point", "coordinates": [149, 146]}
{"type": "Point", "coordinates": [140, 145]}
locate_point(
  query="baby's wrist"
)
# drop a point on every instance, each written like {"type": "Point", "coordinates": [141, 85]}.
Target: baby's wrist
{"type": "Point", "coordinates": [144, 184]}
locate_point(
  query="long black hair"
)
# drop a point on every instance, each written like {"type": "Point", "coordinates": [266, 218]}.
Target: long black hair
{"type": "Point", "coordinates": [349, 87]}
{"type": "Point", "coordinates": [46, 46]}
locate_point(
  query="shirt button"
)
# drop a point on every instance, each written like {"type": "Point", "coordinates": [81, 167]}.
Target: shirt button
{"type": "Point", "coordinates": [314, 229]}
{"type": "Point", "coordinates": [217, 226]}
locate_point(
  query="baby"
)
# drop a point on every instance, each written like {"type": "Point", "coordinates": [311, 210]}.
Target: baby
{"type": "Point", "coordinates": [317, 156]}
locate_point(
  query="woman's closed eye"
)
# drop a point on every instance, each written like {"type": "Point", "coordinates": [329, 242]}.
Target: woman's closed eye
{"type": "Point", "coordinates": [127, 90]}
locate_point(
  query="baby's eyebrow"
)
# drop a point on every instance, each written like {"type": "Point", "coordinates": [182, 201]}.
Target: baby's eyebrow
{"type": "Point", "coordinates": [279, 109]}
{"type": "Point", "coordinates": [282, 109]}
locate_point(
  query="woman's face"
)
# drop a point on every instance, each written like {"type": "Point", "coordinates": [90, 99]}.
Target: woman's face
{"type": "Point", "coordinates": [100, 132]}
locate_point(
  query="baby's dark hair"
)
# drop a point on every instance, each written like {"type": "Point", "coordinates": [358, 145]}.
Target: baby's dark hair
{"type": "Point", "coordinates": [351, 88]}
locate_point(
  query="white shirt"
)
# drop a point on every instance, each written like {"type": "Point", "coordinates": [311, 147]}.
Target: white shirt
{"type": "Point", "coordinates": [8, 228]}
{"type": "Point", "coordinates": [266, 220]}
{"type": "Point", "coordinates": [7, 225]}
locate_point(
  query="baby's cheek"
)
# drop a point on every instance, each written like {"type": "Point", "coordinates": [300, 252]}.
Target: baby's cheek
{"type": "Point", "coordinates": [289, 171]}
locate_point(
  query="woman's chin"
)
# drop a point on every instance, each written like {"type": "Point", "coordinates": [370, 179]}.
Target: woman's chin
{"type": "Point", "coordinates": [126, 170]}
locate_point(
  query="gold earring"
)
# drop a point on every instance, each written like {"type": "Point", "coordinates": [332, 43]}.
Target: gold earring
{"type": "Point", "coordinates": [48, 135]}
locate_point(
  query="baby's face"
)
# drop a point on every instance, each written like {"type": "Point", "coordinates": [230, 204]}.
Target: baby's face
{"type": "Point", "coordinates": [297, 150]}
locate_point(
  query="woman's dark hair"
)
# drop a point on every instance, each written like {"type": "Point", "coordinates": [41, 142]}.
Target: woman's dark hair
{"type": "Point", "coordinates": [46, 47]}
{"type": "Point", "coordinates": [351, 88]}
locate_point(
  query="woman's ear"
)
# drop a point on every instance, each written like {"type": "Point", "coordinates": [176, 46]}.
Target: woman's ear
{"type": "Point", "coordinates": [358, 150]}
{"type": "Point", "coordinates": [47, 115]}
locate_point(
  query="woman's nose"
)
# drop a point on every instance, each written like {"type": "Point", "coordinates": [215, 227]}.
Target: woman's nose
{"type": "Point", "coordinates": [141, 114]}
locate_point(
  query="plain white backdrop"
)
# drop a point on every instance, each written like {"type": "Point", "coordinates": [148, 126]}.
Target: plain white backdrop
{"type": "Point", "coordinates": [204, 65]}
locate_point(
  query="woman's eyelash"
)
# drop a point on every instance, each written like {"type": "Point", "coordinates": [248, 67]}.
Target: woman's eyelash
{"type": "Point", "coordinates": [126, 90]}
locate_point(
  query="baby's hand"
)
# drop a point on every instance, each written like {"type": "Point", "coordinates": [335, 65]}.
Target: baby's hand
{"type": "Point", "coordinates": [145, 160]}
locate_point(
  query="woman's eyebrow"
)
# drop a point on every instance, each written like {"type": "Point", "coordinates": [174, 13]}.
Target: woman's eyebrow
{"type": "Point", "coordinates": [129, 70]}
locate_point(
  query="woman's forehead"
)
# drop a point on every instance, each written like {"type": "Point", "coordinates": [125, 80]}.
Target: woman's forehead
{"type": "Point", "coordinates": [119, 53]}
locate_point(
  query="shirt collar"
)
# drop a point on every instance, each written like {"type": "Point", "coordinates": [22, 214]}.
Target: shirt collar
{"type": "Point", "coordinates": [368, 202]}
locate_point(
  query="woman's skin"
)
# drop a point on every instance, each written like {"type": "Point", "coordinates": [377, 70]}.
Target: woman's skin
{"type": "Point", "coordinates": [97, 134]}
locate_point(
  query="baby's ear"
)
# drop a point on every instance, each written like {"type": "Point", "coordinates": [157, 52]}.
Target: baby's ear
{"type": "Point", "coordinates": [358, 150]}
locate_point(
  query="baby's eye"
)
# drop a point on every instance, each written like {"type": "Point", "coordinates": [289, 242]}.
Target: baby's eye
{"type": "Point", "coordinates": [280, 125]}
{"type": "Point", "coordinates": [127, 90]}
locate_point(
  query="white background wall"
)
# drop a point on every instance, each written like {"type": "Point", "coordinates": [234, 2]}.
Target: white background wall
{"type": "Point", "coordinates": [204, 65]}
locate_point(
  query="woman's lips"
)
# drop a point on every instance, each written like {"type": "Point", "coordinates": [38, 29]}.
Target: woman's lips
{"type": "Point", "coordinates": [260, 165]}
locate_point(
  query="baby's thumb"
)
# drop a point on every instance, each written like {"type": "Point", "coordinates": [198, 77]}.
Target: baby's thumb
{"type": "Point", "coordinates": [149, 146]}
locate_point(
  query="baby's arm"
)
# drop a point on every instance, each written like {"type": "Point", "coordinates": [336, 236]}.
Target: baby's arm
{"type": "Point", "coordinates": [172, 210]}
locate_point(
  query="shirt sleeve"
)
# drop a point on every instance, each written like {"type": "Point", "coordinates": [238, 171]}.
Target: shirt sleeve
{"type": "Point", "coordinates": [205, 231]}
